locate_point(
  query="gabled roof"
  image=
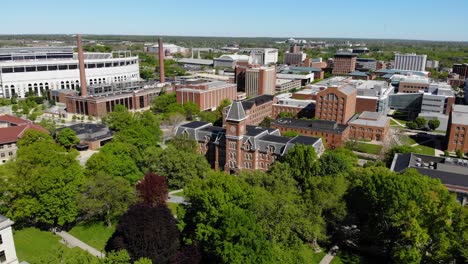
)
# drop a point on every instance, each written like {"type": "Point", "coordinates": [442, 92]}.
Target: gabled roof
{"type": "Point", "coordinates": [13, 133]}
{"type": "Point", "coordinates": [236, 112]}
{"type": "Point", "coordinates": [14, 120]}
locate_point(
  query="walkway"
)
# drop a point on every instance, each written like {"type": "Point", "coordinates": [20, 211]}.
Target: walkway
{"type": "Point", "coordinates": [327, 259]}
{"type": "Point", "coordinates": [72, 242]}
{"type": "Point", "coordinates": [176, 199]}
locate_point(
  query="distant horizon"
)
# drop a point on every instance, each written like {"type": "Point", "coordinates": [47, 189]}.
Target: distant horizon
{"type": "Point", "coordinates": [417, 20]}
{"type": "Point", "coordinates": [245, 37]}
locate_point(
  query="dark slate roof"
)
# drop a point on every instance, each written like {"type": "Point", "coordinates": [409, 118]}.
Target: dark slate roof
{"type": "Point", "coordinates": [358, 73]}
{"type": "Point", "coordinates": [450, 171]}
{"type": "Point", "coordinates": [195, 124]}
{"type": "Point", "coordinates": [304, 140]}
{"type": "Point", "coordinates": [259, 100]}
{"type": "Point", "coordinates": [316, 125]}
{"type": "Point", "coordinates": [236, 112]}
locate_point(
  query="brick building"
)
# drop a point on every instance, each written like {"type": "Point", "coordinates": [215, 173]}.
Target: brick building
{"type": "Point", "coordinates": [12, 129]}
{"type": "Point", "coordinates": [255, 80]}
{"type": "Point", "coordinates": [101, 105]}
{"type": "Point", "coordinates": [334, 134]}
{"type": "Point", "coordinates": [369, 126]}
{"type": "Point", "coordinates": [461, 69]}
{"type": "Point", "coordinates": [284, 85]}
{"type": "Point", "coordinates": [457, 131]}
{"type": "Point", "coordinates": [344, 63]}
{"type": "Point", "coordinates": [256, 109]}
{"type": "Point", "coordinates": [294, 58]}
{"type": "Point", "coordinates": [207, 95]}
{"type": "Point", "coordinates": [240, 146]}
{"type": "Point", "coordinates": [413, 84]}
{"type": "Point", "coordinates": [336, 104]}
{"type": "Point", "coordinates": [92, 136]}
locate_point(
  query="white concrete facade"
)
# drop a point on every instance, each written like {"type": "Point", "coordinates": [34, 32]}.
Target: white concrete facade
{"type": "Point", "coordinates": [410, 62]}
{"type": "Point", "coordinates": [7, 244]}
{"type": "Point", "coordinates": [39, 76]}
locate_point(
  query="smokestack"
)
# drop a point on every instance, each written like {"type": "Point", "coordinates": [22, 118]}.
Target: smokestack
{"type": "Point", "coordinates": [83, 85]}
{"type": "Point", "coordinates": [161, 61]}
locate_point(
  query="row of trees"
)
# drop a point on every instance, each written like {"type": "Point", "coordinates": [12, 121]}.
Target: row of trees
{"type": "Point", "coordinates": [421, 122]}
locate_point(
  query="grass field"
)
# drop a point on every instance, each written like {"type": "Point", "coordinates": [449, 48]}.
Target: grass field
{"type": "Point", "coordinates": [407, 140]}
{"type": "Point", "coordinates": [393, 123]}
{"type": "Point", "coordinates": [173, 208]}
{"type": "Point", "coordinates": [367, 148]}
{"type": "Point", "coordinates": [36, 246]}
{"type": "Point", "coordinates": [309, 254]}
{"type": "Point", "coordinates": [426, 150]}
{"type": "Point", "coordinates": [94, 234]}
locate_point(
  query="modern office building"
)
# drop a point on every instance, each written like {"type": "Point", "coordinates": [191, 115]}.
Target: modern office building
{"type": "Point", "coordinates": [336, 104]}
{"type": "Point", "coordinates": [262, 56]}
{"type": "Point", "coordinates": [432, 64]}
{"type": "Point", "coordinates": [284, 85]}
{"type": "Point", "coordinates": [7, 244]}
{"type": "Point", "coordinates": [410, 62]}
{"type": "Point", "coordinates": [294, 58]}
{"type": "Point", "coordinates": [207, 95]}
{"type": "Point", "coordinates": [344, 63]}
{"type": "Point", "coordinates": [457, 131]}
{"type": "Point", "coordinates": [11, 130]}
{"type": "Point", "coordinates": [366, 64]}
{"type": "Point", "coordinates": [453, 173]}
{"type": "Point", "coordinates": [255, 80]}
{"type": "Point", "coordinates": [38, 70]}
{"type": "Point", "coordinates": [230, 60]}
{"type": "Point", "coordinates": [461, 69]}
{"type": "Point", "coordinates": [239, 146]}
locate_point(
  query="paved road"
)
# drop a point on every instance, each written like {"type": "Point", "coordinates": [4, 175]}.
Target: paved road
{"type": "Point", "coordinates": [72, 242]}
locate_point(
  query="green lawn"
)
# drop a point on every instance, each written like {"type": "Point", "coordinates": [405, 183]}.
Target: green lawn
{"type": "Point", "coordinates": [393, 123]}
{"type": "Point", "coordinates": [426, 150]}
{"type": "Point", "coordinates": [309, 254]}
{"type": "Point", "coordinates": [36, 246]}
{"type": "Point", "coordinates": [345, 257]}
{"type": "Point", "coordinates": [173, 208]}
{"type": "Point", "coordinates": [367, 148]}
{"type": "Point", "coordinates": [94, 234]}
{"type": "Point", "coordinates": [406, 140]}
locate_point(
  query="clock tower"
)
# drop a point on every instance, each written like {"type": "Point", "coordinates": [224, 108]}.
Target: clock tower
{"type": "Point", "coordinates": [235, 129]}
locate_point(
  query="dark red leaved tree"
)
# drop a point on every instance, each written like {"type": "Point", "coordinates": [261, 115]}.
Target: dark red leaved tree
{"type": "Point", "coordinates": [153, 190]}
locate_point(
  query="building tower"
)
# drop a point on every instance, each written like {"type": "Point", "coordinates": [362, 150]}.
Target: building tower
{"type": "Point", "coordinates": [161, 61]}
{"type": "Point", "coordinates": [81, 63]}
{"type": "Point", "coordinates": [235, 128]}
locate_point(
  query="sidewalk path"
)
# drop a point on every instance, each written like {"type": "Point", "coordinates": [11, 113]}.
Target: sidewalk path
{"type": "Point", "coordinates": [72, 241]}
{"type": "Point", "coordinates": [176, 199]}
{"type": "Point", "coordinates": [327, 259]}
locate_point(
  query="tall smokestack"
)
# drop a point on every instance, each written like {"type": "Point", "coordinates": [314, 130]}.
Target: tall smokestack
{"type": "Point", "coordinates": [83, 85]}
{"type": "Point", "coordinates": [161, 61]}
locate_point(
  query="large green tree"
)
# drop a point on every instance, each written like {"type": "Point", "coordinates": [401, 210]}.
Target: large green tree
{"type": "Point", "coordinates": [178, 166]}
{"type": "Point", "coordinates": [43, 185]}
{"type": "Point", "coordinates": [67, 138]}
{"type": "Point", "coordinates": [218, 219]}
{"type": "Point", "coordinates": [304, 163]}
{"type": "Point", "coordinates": [106, 197]}
{"type": "Point", "coordinates": [407, 217]}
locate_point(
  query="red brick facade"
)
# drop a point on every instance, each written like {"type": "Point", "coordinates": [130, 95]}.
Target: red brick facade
{"type": "Point", "coordinates": [205, 97]}
{"type": "Point", "coordinates": [336, 104]}
{"type": "Point", "coordinates": [344, 64]}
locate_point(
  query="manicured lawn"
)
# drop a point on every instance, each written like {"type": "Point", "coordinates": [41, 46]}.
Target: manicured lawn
{"type": "Point", "coordinates": [173, 208]}
{"type": "Point", "coordinates": [367, 148]}
{"type": "Point", "coordinates": [345, 257]}
{"type": "Point", "coordinates": [426, 150]}
{"type": "Point", "coordinates": [36, 246]}
{"type": "Point", "coordinates": [309, 254]}
{"type": "Point", "coordinates": [181, 194]}
{"type": "Point", "coordinates": [94, 234]}
{"type": "Point", "coordinates": [407, 140]}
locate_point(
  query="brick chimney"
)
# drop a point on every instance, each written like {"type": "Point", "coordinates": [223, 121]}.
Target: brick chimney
{"type": "Point", "coordinates": [83, 85]}
{"type": "Point", "coordinates": [161, 61]}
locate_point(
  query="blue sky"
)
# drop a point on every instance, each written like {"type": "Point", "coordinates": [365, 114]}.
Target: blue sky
{"type": "Point", "coordinates": [409, 19]}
